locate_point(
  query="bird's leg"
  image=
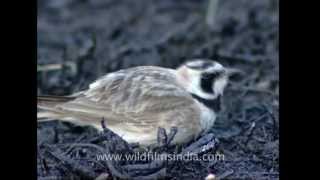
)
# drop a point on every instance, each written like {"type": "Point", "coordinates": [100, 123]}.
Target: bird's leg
{"type": "Point", "coordinates": [103, 125]}
{"type": "Point", "coordinates": [106, 133]}
{"type": "Point", "coordinates": [172, 134]}
{"type": "Point", "coordinates": [114, 138]}
{"type": "Point", "coordinates": [162, 136]}
{"type": "Point", "coordinates": [165, 139]}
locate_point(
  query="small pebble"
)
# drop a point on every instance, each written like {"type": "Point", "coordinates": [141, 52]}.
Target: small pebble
{"type": "Point", "coordinates": [102, 176]}
{"type": "Point", "coordinates": [210, 177]}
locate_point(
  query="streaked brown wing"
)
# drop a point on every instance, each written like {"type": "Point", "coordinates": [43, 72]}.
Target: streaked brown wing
{"type": "Point", "coordinates": [140, 95]}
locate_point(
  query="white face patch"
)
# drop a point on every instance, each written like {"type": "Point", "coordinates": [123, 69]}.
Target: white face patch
{"type": "Point", "coordinates": [183, 77]}
{"type": "Point", "coordinates": [216, 67]}
{"type": "Point", "coordinates": [195, 63]}
{"type": "Point", "coordinates": [191, 81]}
{"type": "Point", "coordinates": [191, 75]}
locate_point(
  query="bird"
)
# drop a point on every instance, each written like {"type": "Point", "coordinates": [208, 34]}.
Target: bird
{"type": "Point", "coordinates": [136, 101]}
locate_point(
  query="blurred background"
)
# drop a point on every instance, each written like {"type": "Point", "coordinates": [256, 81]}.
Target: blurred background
{"type": "Point", "coordinates": [80, 40]}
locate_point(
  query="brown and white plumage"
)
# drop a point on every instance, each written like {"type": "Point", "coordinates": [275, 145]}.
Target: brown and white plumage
{"type": "Point", "coordinates": [134, 102]}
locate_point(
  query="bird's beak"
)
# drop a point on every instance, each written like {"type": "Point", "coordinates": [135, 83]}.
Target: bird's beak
{"type": "Point", "coordinates": [234, 71]}
{"type": "Point", "coordinates": [234, 74]}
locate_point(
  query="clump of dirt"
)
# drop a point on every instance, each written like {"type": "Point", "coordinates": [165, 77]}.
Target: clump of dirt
{"type": "Point", "coordinates": [78, 41]}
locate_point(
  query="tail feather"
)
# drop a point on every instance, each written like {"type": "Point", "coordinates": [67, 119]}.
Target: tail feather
{"type": "Point", "coordinates": [55, 98]}
{"type": "Point", "coordinates": [48, 106]}
{"type": "Point", "coordinates": [46, 116]}
{"type": "Point", "coordinates": [45, 102]}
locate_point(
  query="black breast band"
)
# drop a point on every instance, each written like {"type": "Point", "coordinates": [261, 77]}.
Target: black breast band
{"type": "Point", "coordinates": [214, 104]}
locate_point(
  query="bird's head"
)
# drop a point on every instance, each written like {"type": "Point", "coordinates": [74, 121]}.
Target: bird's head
{"type": "Point", "coordinates": [206, 79]}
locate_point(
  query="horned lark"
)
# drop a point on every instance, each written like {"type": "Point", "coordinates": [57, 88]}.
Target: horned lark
{"type": "Point", "coordinates": [134, 102]}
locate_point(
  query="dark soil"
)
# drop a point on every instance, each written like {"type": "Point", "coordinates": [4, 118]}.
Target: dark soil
{"type": "Point", "coordinates": [101, 36]}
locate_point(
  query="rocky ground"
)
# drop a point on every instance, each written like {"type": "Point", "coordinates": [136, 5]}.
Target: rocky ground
{"type": "Point", "coordinates": [81, 40]}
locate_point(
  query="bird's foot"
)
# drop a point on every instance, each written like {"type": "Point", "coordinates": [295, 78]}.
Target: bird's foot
{"type": "Point", "coordinates": [165, 139]}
